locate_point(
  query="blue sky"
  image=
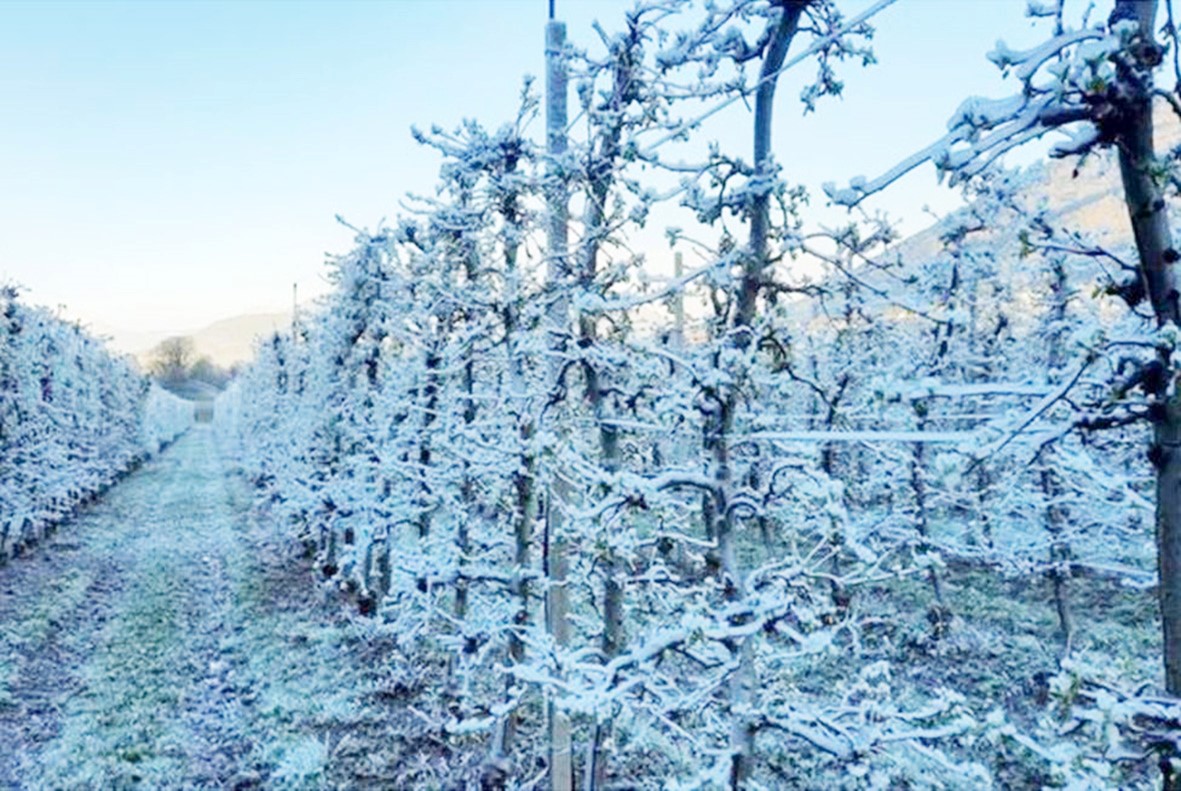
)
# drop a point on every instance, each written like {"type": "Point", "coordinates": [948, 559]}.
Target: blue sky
{"type": "Point", "coordinates": [165, 165]}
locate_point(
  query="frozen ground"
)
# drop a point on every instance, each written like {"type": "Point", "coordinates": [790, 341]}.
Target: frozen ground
{"type": "Point", "coordinates": [164, 639]}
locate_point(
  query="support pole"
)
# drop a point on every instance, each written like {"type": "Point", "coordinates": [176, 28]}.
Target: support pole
{"type": "Point", "coordinates": [678, 303]}
{"type": "Point", "coordinates": [558, 319]}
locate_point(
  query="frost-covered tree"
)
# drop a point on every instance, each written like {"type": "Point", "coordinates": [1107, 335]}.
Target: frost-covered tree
{"type": "Point", "coordinates": [1096, 83]}
{"type": "Point", "coordinates": [73, 419]}
{"type": "Point", "coordinates": [724, 553]}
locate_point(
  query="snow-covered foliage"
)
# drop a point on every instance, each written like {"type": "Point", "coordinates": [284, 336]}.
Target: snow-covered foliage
{"type": "Point", "coordinates": [73, 418]}
{"type": "Point", "coordinates": [766, 526]}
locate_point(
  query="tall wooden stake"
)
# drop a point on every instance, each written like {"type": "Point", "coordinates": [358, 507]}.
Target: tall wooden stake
{"type": "Point", "coordinates": [561, 764]}
{"type": "Point", "coordinates": [678, 303]}
{"type": "Point", "coordinates": [295, 312]}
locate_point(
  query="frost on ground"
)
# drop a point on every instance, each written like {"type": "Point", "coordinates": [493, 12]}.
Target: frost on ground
{"type": "Point", "coordinates": [165, 640]}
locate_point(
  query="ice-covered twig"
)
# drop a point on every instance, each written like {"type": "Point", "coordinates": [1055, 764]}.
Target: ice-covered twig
{"type": "Point", "coordinates": [816, 46]}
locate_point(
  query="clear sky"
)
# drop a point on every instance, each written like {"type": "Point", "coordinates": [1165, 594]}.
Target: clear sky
{"type": "Point", "coordinates": [164, 165]}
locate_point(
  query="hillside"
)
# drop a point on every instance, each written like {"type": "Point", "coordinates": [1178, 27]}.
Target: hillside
{"type": "Point", "coordinates": [225, 342]}
{"type": "Point", "coordinates": [231, 340]}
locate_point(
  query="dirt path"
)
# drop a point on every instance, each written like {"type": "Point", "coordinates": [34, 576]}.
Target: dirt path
{"type": "Point", "coordinates": [164, 639]}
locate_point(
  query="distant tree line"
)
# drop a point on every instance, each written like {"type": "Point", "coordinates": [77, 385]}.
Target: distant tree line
{"type": "Point", "coordinates": [175, 364]}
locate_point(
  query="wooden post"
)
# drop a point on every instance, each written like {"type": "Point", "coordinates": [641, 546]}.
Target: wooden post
{"type": "Point", "coordinates": [560, 758]}
{"type": "Point", "coordinates": [678, 304]}
{"type": "Point", "coordinates": [294, 313]}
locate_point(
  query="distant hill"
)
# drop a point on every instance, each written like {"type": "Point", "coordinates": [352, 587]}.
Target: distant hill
{"type": "Point", "coordinates": [1084, 196]}
{"type": "Point", "coordinates": [225, 342]}
{"type": "Point", "coordinates": [231, 340]}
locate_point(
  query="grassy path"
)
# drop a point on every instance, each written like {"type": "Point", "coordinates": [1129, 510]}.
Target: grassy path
{"type": "Point", "coordinates": [164, 640]}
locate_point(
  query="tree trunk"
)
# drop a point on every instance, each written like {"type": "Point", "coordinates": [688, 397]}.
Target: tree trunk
{"type": "Point", "coordinates": [1057, 517]}
{"type": "Point", "coordinates": [1154, 244]}
{"type": "Point", "coordinates": [525, 505]}
{"type": "Point", "coordinates": [782, 34]}
{"type": "Point", "coordinates": [918, 485]}
{"type": "Point", "coordinates": [1167, 439]}
{"type": "Point", "coordinates": [430, 406]}
{"type": "Point", "coordinates": [717, 440]}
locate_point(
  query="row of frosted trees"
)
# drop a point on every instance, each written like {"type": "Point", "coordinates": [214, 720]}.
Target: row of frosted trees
{"type": "Point", "coordinates": [73, 419]}
{"type": "Point", "coordinates": [697, 530]}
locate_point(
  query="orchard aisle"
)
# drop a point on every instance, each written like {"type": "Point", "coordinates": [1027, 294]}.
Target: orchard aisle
{"type": "Point", "coordinates": [165, 639]}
